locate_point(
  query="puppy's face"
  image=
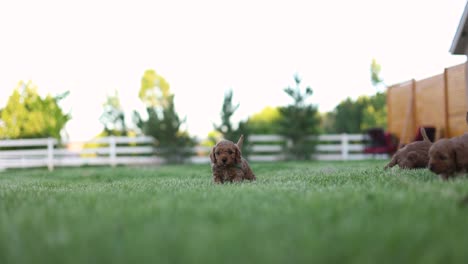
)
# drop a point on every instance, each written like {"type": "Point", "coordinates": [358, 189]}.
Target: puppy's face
{"type": "Point", "coordinates": [442, 157]}
{"type": "Point", "coordinates": [225, 153]}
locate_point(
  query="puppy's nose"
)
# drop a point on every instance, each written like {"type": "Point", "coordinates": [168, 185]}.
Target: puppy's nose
{"type": "Point", "coordinates": [224, 160]}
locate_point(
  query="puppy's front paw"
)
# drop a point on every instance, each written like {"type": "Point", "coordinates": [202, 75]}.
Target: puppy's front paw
{"type": "Point", "coordinates": [217, 180]}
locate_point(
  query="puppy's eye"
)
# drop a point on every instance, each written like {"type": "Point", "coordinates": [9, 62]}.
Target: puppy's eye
{"type": "Point", "coordinates": [230, 152]}
{"type": "Point", "coordinates": [217, 152]}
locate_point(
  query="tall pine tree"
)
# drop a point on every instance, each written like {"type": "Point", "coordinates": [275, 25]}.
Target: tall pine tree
{"type": "Point", "coordinates": [298, 122]}
{"type": "Point", "coordinates": [227, 128]}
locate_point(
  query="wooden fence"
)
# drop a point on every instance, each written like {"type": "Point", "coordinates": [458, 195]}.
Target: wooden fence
{"type": "Point", "coordinates": [439, 101]}
{"type": "Point", "coordinates": [112, 151]}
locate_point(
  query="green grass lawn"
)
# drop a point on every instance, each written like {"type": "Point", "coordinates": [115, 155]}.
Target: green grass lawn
{"type": "Point", "coordinates": [307, 212]}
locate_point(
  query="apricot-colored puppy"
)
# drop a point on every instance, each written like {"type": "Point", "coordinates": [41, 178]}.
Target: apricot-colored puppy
{"type": "Point", "coordinates": [227, 163]}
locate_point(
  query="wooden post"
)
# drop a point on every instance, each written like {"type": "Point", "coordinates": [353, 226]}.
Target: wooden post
{"type": "Point", "coordinates": [344, 146]}
{"type": "Point", "coordinates": [410, 114]}
{"type": "Point", "coordinates": [389, 110]}
{"type": "Point", "coordinates": [413, 111]}
{"type": "Point", "coordinates": [446, 106]}
{"type": "Point", "coordinates": [112, 151]}
{"type": "Point", "coordinates": [50, 154]}
{"type": "Point", "coordinates": [466, 89]}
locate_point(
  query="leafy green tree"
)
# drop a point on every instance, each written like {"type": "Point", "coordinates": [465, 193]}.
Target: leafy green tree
{"type": "Point", "coordinates": [375, 70]}
{"type": "Point", "coordinates": [154, 90]}
{"type": "Point", "coordinates": [328, 122]}
{"type": "Point", "coordinates": [348, 116]}
{"type": "Point", "coordinates": [364, 113]}
{"type": "Point", "coordinates": [265, 121]}
{"type": "Point", "coordinates": [299, 121]}
{"type": "Point", "coordinates": [374, 112]}
{"type": "Point", "coordinates": [163, 123]}
{"type": "Point", "coordinates": [28, 115]}
{"type": "Point", "coordinates": [113, 116]}
{"type": "Point", "coordinates": [211, 139]}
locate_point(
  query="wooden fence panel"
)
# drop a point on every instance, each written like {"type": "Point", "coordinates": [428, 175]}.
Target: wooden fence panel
{"type": "Point", "coordinates": [430, 104]}
{"type": "Point", "coordinates": [439, 101]}
{"type": "Point", "coordinates": [456, 98]}
{"type": "Point", "coordinates": [399, 106]}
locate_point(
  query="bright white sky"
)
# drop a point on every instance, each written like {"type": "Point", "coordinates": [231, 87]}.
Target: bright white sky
{"type": "Point", "coordinates": [203, 48]}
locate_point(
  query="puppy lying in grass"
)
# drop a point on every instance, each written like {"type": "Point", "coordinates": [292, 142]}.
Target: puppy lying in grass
{"type": "Point", "coordinates": [412, 156]}
{"type": "Point", "coordinates": [449, 157]}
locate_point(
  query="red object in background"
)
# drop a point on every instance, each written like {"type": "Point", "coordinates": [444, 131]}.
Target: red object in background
{"type": "Point", "coordinates": [380, 142]}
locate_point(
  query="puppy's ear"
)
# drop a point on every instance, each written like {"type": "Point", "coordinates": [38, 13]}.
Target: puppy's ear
{"type": "Point", "coordinates": [237, 158]}
{"type": "Point", "coordinates": [213, 155]}
{"type": "Point", "coordinates": [240, 142]}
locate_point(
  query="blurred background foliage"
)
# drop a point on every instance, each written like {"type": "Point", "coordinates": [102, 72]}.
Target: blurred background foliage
{"type": "Point", "coordinates": [265, 122]}
{"type": "Point", "coordinates": [113, 117]}
{"type": "Point", "coordinates": [298, 121]}
{"type": "Point", "coordinates": [162, 123]}
{"type": "Point", "coordinates": [356, 116]}
{"type": "Point", "coordinates": [227, 129]}
{"type": "Point", "coordinates": [28, 115]}
{"type": "Point", "coordinates": [154, 90]}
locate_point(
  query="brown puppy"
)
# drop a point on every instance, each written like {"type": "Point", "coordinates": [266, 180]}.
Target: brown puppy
{"type": "Point", "coordinates": [412, 156]}
{"type": "Point", "coordinates": [227, 163]}
{"type": "Point", "coordinates": [449, 156]}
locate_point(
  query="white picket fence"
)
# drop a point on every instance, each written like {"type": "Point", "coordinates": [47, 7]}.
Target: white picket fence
{"type": "Point", "coordinates": [48, 152]}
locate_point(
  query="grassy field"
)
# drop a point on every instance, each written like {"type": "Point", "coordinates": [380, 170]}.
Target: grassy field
{"type": "Point", "coordinates": [310, 212]}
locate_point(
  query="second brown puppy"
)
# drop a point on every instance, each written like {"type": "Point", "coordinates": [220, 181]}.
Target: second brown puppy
{"type": "Point", "coordinates": [412, 156]}
{"type": "Point", "coordinates": [448, 157]}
